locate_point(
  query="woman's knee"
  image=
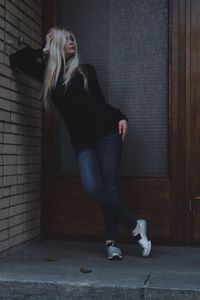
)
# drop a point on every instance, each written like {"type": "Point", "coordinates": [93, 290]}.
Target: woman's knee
{"type": "Point", "coordinates": [93, 188]}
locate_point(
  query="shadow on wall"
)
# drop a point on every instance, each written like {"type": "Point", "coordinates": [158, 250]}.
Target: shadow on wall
{"type": "Point", "coordinates": [65, 163]}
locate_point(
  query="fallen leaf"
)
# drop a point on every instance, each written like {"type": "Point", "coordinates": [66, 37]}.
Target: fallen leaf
{"type": "Point", "coordinates": [83, 270]}
{"type": "Point", "coordinates": [51, 259]}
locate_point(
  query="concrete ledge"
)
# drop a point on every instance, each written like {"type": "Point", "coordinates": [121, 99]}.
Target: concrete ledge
{"type": "Point", "coordinates": [48, 291]}
{"type": "Point", "coordinates": [51, 270]}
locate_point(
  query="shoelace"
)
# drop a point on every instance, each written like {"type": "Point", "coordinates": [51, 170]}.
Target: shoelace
{"type": "Point", "coordinates": [111, 244]}
{"type": "Point", "coordinates": [137, 237]}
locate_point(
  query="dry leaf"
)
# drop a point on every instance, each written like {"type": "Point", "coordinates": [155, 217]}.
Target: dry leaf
{"type": "Point", "coordinates": [83, 270]}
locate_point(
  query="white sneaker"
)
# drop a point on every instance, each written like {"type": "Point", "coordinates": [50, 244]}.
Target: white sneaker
{"type": "Point", "coordinates": [144, 243]}
{"type": "Point", "coordinates": [113, 251]}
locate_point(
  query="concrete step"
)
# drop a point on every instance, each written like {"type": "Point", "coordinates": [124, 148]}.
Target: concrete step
{"type": "Point", "coordinates": [51, 270]}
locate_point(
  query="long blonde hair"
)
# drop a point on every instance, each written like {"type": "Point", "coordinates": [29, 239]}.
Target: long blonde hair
{"type": "Point", "coordinates": [55, 61]}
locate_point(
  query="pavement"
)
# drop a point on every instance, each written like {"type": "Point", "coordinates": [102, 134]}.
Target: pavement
{"type": "Point", "coordinates": [53, 269]}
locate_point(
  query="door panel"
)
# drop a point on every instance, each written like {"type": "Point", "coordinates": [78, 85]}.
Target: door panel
{"type": "Point", "coordinates": [73, 214]}
{"type": "Point", "coordinates": [128, 44]}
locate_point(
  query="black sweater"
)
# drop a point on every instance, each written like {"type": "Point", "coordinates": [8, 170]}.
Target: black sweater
{"type": "Point", "coordinates": [87, 115]}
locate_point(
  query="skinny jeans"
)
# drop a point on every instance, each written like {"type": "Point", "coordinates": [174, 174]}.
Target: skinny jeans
{"type": "Point", "coordinates": [98, 167]}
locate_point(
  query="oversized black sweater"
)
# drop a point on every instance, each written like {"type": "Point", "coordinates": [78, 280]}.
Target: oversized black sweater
{"type": "Point", "coordinates": [88, 116]}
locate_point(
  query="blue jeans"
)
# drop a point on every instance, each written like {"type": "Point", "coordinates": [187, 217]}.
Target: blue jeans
{"type": "Point", "coordinates": [98, 168]}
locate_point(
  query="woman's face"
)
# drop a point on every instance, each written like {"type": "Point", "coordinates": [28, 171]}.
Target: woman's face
{"type": "Point", "coordinates": [70, 47]}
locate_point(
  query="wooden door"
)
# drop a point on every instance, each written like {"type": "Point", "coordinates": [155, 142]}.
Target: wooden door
{"type": "Point", "coordinates": [193, 118]}
{"type": "Point", "coordinates": [67, 211]}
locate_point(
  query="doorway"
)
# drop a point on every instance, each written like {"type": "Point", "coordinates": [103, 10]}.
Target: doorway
{"type": "Point", "coordinates": [145, 80]}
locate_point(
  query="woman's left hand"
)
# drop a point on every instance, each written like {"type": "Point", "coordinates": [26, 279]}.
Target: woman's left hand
{"type": "Point", "coordinates": [123, 127]}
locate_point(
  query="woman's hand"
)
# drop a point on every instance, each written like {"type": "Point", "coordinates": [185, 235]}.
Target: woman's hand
{"type": "Point", "coordinates": [49, 38]}
{"type": "Point", "coordinates": [123, 126]}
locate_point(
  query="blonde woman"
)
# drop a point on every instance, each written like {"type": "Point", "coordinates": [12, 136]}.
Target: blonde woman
{"type": "Point", "coordinates": [97, 130]}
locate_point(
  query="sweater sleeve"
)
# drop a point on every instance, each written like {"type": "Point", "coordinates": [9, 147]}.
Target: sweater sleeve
{"type": "Point", "coordinates": [25, 59]}
{"type": "Point", "coordinates": [97, 92]}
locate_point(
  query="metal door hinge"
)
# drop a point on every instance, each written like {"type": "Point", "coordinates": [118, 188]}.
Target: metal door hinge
{"type": "Point", "coordinates": [190, 205]}
{"type": "Point", "coordinates": [194, 201]}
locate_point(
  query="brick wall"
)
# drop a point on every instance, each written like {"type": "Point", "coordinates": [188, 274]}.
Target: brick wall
{"type": "Point", "coordinates": [20, 128]}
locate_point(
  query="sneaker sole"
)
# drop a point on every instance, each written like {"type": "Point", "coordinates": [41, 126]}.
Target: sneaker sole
{"type": "Point", "coordinates": [149, 250]}
{"type": "Point", "coordinates": [146, 229]}
{"type": "Point", "coordinates": [115, 257]}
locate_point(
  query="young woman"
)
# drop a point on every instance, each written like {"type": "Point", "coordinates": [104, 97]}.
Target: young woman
{"type": "Point", "coordinates": [97, 130]}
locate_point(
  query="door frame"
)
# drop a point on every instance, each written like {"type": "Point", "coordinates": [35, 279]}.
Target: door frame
{"type": "Point", "coordinates": [179, 155]}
